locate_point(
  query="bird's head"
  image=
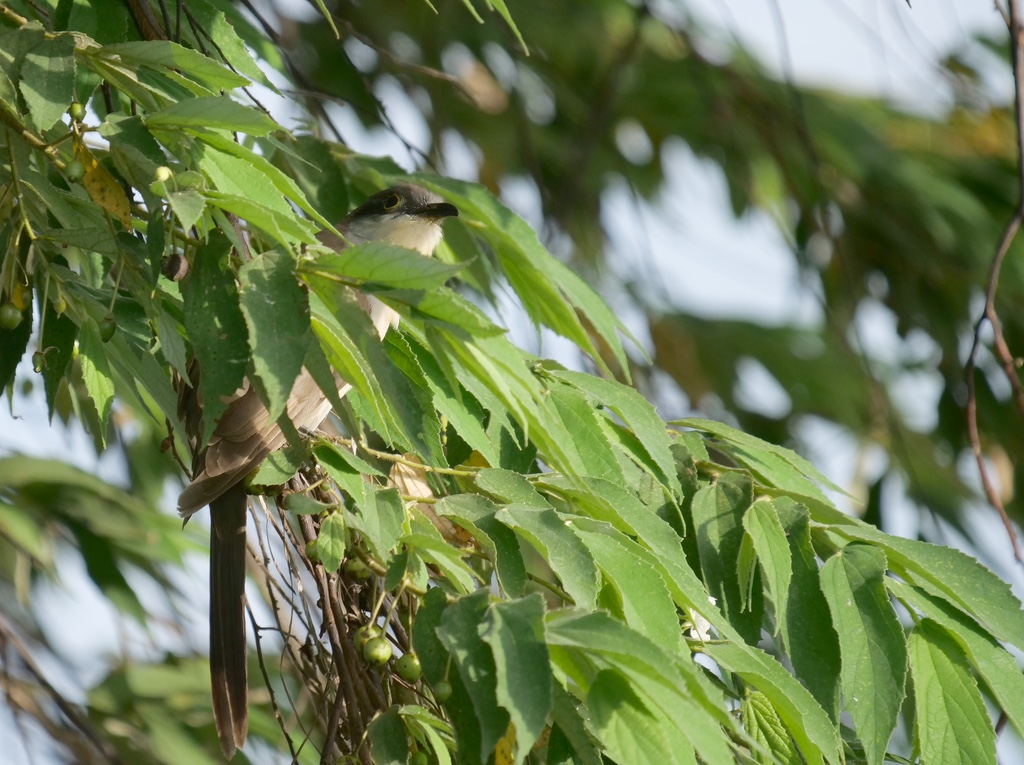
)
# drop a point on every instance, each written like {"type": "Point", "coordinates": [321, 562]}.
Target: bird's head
{"type": "Point", "coordinates": [405, 215]}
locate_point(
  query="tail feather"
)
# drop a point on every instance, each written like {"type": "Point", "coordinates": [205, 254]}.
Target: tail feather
{"type": "Point", "coordinates": [228, 666]}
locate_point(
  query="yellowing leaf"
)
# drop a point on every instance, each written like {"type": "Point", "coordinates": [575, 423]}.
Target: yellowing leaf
{"type": "Point", "coordinates": [102, 187]}
{"type": "Point", "coordinates": [503, 751]}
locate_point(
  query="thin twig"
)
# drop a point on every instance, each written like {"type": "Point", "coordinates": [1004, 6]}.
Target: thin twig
{"type": "Point", "coordinates": [989, 314]}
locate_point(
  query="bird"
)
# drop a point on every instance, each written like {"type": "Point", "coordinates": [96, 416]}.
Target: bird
{"type": "Point", "coordinates": [406, 215]}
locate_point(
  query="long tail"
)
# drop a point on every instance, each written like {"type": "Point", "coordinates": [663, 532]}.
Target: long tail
{"type": "Point", "coordinates": [228, 666]}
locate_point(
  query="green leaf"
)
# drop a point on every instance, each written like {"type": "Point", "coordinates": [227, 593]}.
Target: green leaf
{"type": "Point", "coordinates": [330, 542]}
{"type": "Point", "coordinates": [638, 414]}
{"type": "Point", "coordinates": [762, 722]}
{"type": "Point", "coordinates": [589, 451]}
{"type": "Point", "coordinates": [765, 532]}
{"type": "Point", "coordinates": [951, 575]}
{"type": "Point", "coordinates": [990, 660]}
{"type": "Point", "coordinates": [47, 79]}
{"type": "Point", "coordinates": [806, 721]}
{"type": "Point", "coordinates": [515, 631]}
{"type": "Point", "coordinates": [630, 731]}
{"type": "Point", "coordinates": [163, 54]}
{"type": "Point", "coordinates": [460, 629]}
{"type": "Point", "coordinates": [380, 519]}
{"type": "Point", "coordinates": [388, 742]}
{"type": "Point", "coordinates": [276, 313]}
{"type": "Point", "coordinates": [240, 176]}
{"type": "Point", "coordinates": [561, 547]}
{"type": "Point", "coordinates": [952, 726]}
{"type": "Point", "coordinates": [57, 344]}
{"type": "Point", "coordinates": [871, 640]}
{"type": "Point", "coordinates": [230, 45]}
{"type": "Point", "coordinates": [551, 293]}
{"type": "Point", "coordinates": [510, 487]}
{"type": "Point", "coordinates": [286, 227]}
{"type": "Point", "coordinates": [718, 512]}
{"type": "Point", "coordinates": [96, 372]}
{"type": "Point", "coordinates": [477, 514]}
{"type": "Point", "coordinates": [641, 590]}
{"type": "Point", "coordinates": [216, 326]}
{"type": "Point", "coordinates": [806, 625]}
{"type": "Point", "coordinates": [279, 467]}
{"type": "Point", "coordinates": [426, 541]}
{"type": "Point", "coordinates": [775, 465]}
{"type": "Point", "coordinates": [187, 205]}
{"type": "Point", "coordinates": [213, 112]}
{"type": "Point", "coordinates": [381, 263]}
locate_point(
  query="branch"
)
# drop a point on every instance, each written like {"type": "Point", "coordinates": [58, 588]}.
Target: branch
{"type": "Point", "coordinates": [989, 314]}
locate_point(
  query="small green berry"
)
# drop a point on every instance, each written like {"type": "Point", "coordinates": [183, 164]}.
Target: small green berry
{"type": "Point", "coordinates": [10, 316]}
{"type": "Point", "coordinates": [163, 174]}
{"type": "Point", "coordinates": [77, 111]}
{"type": "Point", "coordinates": [312, 551]}
{"type": "Point", "coordinates": [442, 691]}
{"type": "Point", "coordinates": [364, 635]}
{"type": "Point", "coordinates": [107, 328]}
{"type": "Point", "coordinates": [419, 757]}
{"type": "Point", "coordinates": [409, 667]}
{"type": "Point", "coordinates": [60, 305]}
{"type": "Point", "coordinates": [377, 650]}
{"type": "Point", "coordinates": [74, 171]}
{"type": "Point", "coordinates": [356, 569]}
{"type": "Point", "coordinates": [38, 361]}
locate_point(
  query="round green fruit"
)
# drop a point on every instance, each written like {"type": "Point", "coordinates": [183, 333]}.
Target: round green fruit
{"type": "Point", "coordinates": [364, 635]}
{"type": "Point", "coordinates": [38, 361]}
{"type": "Point", "coordinates": [409, 667]}
{"type": "Point", "coordinates": [442, 691]}
{"type": "Point", "coordinates": [377, 650]}
{"type": "Point", "coordinates": [74, 171]}
{"type": "Point", "coordinates": [77, 111]}
{"type": "Point", "coordinates": [107, 328]}
{"type": "Point", "coordinates": [356, 569]}
{"type": "Point", "coordinates": [10, 316]}
{"type": "Point", "coordinates": [419, 757]}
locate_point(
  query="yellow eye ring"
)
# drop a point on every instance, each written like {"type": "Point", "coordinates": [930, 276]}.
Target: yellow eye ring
{"type": "Point", "coordinates": [392, 202]}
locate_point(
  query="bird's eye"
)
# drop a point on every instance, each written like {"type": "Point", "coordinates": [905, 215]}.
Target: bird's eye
{"type": "Point", "coordinates": [392, 202]}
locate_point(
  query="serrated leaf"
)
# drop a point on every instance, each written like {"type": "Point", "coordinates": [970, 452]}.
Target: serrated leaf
{"type": "Point", "coordinates": [187, 205]}
{"type": "Point", "coordinates": [330, 542]}
{"type": "Point", "coordinates": [284, 226]}
{"type": "Point", "coordinates": [216, 326]}
{"type": "Point", "coordinates": [589, 450]}
{"type": "Point", "coordinates": [164, 54]}
{"type": "Point", "coordinates": [629, 730]}
{"type": "Point", "coordinates": [388, 742]}
{"type": "Point", "coordinates": [628, 570]}
{"type": "Point", "coordinates": [477, 514]}
{"type": "Point", "coordinates": [276, 313]}
{"type": "Point", "coordinates": [806, 625]}
{"type": "Point", "coordinates": [515, 631]}
{"type": "Point", "coordinates": [96, 372]}
{"type": "Point", "coordinates": [213, 112]}
{"type": "Point", "coordinates": [951, 726]}
{"type": "Point", "coordinates": [459, 631]}
{"type": "Point", "coordinates": [765, 532]}
{"type": "Point", "coordinates": [996, 666]}
{"type": "Point", "coordinates": [47, 79]}
{"type": "Point", "coordinates": [777, 465]}
{"type": "Point", "coordinates": [563, 550]}
{"type": "Point", "coordinates": [381, 263]}
{"type": "Point", "coordinates": [380, 518]}
{"type": "Point", "coordinates": [806, 721]}
{"type": "Point", "coordinates": [950, 574]}
{"type": "Point", "coordinates": [718, 517]}
{"type": "Point", "coordinates": [637, 413]}
{"type": "Point", "coordinates": [552, 294]}
{"type": "Point", "coordinates": [762, 722]}
{"type": "Point", "coordinates": [102, 187]}
{"type": "Point", "coordinates": [279, 467]}
{"type": "Point", "coordinates": [874, 650]}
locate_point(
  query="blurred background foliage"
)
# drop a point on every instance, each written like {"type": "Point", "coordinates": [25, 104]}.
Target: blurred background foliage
{"type": "Point", "coordinates": [880, 208]}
